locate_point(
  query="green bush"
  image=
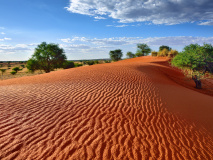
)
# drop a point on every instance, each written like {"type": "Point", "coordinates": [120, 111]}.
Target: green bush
{"type": "Point", "coordinates": [199, 59]}
{"type": "Point", "coordinates": [143, 50]}
{"type": "Point", "coordinates": [130, 55]}
{"type": "Point", "coordinates": [68, 64]}
{"type": "Point", "coordinates": [32, 65]}
{"type": "Point", "coordinates": [96, 62]}
{"type": "Point", "coordinates": [107, 61]}
{"type": "Point", "coordinates": [78, 64]}
{"type": "Point", "coordinates": [90, 62]}
{"type": "Point", "coordinates": [116, 55]}
{"type": "Point", "coordinates": [13, 72]}
{"type": "Point", "coordinates": [16, 69]}
{"type": "Point", "coordinates": [172, 53]}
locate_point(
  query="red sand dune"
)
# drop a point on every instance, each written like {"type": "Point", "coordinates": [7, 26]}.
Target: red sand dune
{"type": "Point", "coordinates": [132, 109]}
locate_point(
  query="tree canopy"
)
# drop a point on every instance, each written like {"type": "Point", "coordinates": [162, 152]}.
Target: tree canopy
{"type": "Point", "coordinates": [47, 57]}
{"type": "Point", "coordinates": [116, 55]}
{"type": "Point", "coordinates": [197, 58]}
{"type": "Point", "coordinates": [164, 47]}
{"type": "Point", "coordinates": [130, 55]}
{"type": "Point", "coordinates": [143, 50]}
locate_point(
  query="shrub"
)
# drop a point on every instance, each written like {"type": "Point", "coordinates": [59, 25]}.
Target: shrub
{"type": "Point", "coordinates": [32, 65]}
{"type": "Point", "coordinates": [68, 64]}
{"type": "Point", "coordinates": [13, 72]}
{"type": "Point", "coordinates": [23, 66]}
{"type": "Point", "coordinates": [78, 64]}
{"type": "Point", "coordinates": [130, 55]}
{"type": "Point", "coordinates": [90, 62]}
{"type": "Point", "coordinates": [96, 62]}
{"type": "Point", "coordinates": [154, 53]}
{"type": "Point", "coordinates": [172, 53]}
{"type": "Point", "coordinates": [107, 61]}
{"type": "Point", "coordinates": [163, 53]}
{"type": "Point", "coordinates": [16, 69]}
{"type": "Point", "coordinates": [199, 59]}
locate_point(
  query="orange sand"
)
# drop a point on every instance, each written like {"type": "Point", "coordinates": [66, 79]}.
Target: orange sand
{"type": "Point", "coordinates": [132, 109]}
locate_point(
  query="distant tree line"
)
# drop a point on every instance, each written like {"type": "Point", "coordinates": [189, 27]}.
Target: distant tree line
{"type": "Point", "coordinates": [199, 59]}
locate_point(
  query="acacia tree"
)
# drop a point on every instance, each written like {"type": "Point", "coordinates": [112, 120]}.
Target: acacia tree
{"type": "Point", "coordinates": [197, 58]}
{"type": "Point", "coordinates": [47, 57]}
{"type": "Point", "coordinates": [2, 72]}
{"type": "Point", "coordinates": [143, 50]}
{"type": "Point", "coordinates": [116, 54]}
{"type": "Point", "coordinates": [130, 55]}
{"type": "Point", "coordinates": [164, 47]}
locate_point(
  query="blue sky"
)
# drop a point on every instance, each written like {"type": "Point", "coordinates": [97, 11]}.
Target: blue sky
{"type": "Point", "coordinates": [90, 29]}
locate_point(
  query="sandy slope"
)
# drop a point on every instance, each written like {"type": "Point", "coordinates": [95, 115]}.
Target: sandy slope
{"type": "Point", "coordinates": [130, 109]}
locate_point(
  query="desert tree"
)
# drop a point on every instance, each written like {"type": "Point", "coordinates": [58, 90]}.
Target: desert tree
{"type": "Point", "coordinates": [47, 57]}
{"type": "Point", "coordinates": [164, 47]}
{"type": "Point", "coordinates": [116, 55]}
{"type": "Point", "coordinates": [16, 69]}
{"type": "Point", "coordinates": [199, 59]}
{"type": "Point", "coordinates": [130, 55]}
{"type": "Point", "coordinates": [2, 72]}
{"type": "Point", "coordinates": [143, 50]}
{"type": "Point", "coordinates": [68, 64]}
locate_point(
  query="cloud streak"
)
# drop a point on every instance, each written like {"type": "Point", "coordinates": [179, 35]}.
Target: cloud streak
{"type": "Point", "coordinates": [115, 41]}
{"type": "Point", "coordinates": [5, 39]}
{"type": "Point", "coordinates": [167, 12]}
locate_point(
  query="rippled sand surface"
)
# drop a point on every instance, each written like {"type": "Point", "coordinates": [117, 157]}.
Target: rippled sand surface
{"type": "Point", "coordinates": [132, 109]}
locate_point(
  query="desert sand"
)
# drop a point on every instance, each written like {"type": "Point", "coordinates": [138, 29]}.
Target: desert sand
{"type": "Point", "coordinates": [131, 109]}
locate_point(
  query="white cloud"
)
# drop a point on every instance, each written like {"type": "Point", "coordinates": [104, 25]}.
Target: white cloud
{"type": "Point", "coordinates": [14, 48]}
{"type": "Point", "coordinates": [209, 23]}
{"type": "Point", "coordinates": [158, 12]}
{"type": "Point", "coordinates": [99, 17]}
{"type": "Point", "coordinates": [123, 25]}
{"type": "Point", "coordinates": [152, 41]}
{"type": "Point", "coordinates": [6, 39]}
{"type": "Point", "coordinates": [2, 33]}
{"type": "Point", "coordinates": [66, 40]}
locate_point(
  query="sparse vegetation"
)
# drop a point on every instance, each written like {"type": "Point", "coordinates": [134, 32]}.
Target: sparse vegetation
{"type": "Point", "coordinates": [78, 64]}
{"type": "Point", "coordinates": [47, 57]}
{"type": "Point", "coordinates": [143, 50]}
{"type": "Point", "coordinates": [13, 72]}
{"type": "Point", "coordinates": [68, 64]}
{"type": "Point", "coordinates": [198, 59]}
{"type": "Point", "coordinates": [130, 55]}
{"type": "Point", "coordinates": [16, 69]}
{"type": "Point", "coordinates": [163, 53]}
{"type": "Point", "coordinates": [172, 53]}
{"type": "Point", "coordinates": [2, 72]}
{"type": "Point", "coordinates": [164, 47]}
{"type": "Point", "coordinates": [90, 62]}
{"type": "Point", "coordinates": [116, 55]}
{"type": "Point", "coordinates": [154, 53]}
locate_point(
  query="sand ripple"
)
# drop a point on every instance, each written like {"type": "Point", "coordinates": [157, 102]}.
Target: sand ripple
{"type": "Point", "coordinates": [108, 111]}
